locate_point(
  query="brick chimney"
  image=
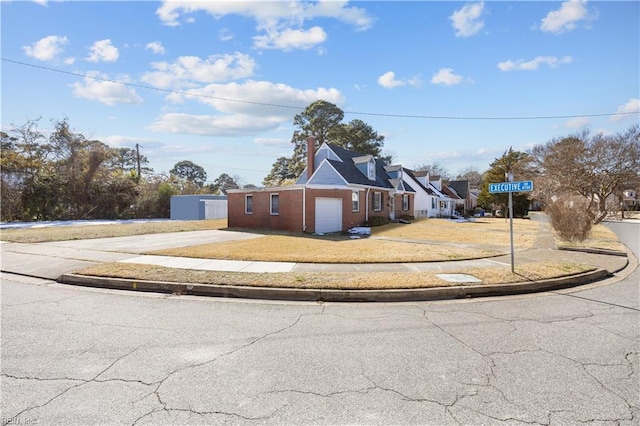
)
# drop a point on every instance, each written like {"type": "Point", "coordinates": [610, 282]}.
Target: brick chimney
{"type": "Point", "coordinates": [311, 155]}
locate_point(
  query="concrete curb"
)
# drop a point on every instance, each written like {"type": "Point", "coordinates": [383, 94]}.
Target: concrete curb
{"type": "Point", "coordinates": [594, 251]}
{"type": "Point", "coordinates": [329, 295]}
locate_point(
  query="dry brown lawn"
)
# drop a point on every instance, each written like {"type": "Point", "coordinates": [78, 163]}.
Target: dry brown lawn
{"type": "Point", "coordinates": [601, 238]}
{"type": "Point", "coordinates": [492, 231]}
{"type": "Point", "coordinates": [310, 249]}
{"type": "Point", "coordinates": [66, 233]}
{"type": "Point", "coordinates": [327, 280]}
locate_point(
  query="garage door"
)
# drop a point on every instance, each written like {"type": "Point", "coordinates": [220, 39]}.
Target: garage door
{"type": "Point", "coordinates": [328, 215]}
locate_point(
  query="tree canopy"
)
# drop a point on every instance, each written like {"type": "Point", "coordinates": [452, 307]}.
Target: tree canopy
{"type": "Point", "coordinates": [190, 172]}
{"type": "Point", "coordinates": [323, 120]}
{"type": "Point", "coordinates": [511, 162]}
{"type": "Point", "coordinates": [594, 166]}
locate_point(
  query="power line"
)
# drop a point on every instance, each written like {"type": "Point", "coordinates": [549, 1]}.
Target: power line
{"type": "Point", "coordinates": [429, 117]}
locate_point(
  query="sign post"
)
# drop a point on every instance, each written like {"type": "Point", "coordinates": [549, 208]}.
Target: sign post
{"type": "Point", "coordinates": [511, 187]}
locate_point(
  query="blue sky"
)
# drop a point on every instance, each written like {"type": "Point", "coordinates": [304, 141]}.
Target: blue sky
{"type": "Point", "coordinates": [218, 83]}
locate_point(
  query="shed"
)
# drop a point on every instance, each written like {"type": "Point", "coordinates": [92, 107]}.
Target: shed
{"type": "Point", "coordinates": [198, 207]}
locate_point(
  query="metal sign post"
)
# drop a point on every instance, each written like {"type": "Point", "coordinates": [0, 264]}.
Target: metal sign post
{"type": "Point", "coordinates": [511, 187]}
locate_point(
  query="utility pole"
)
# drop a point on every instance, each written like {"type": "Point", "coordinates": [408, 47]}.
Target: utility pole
{"type": "Point", "coordinates": [138, 159]}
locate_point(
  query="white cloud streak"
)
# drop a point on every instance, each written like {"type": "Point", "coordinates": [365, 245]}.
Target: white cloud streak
{"type": "Point", "coordinates": [534, 64]}
{"type": "Point", "coordinates": [187, 71]}
{"type": "Point", "coordinates": [107, 92]}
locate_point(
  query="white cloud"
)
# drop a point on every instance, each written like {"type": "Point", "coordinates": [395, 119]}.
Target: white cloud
{"type": "Point", "coordinates": [280, 24]}
{"type": "Point", "coordinates": [240, 118]}
{"type": "Point", "coordinates": [47, 48]}
{"type": "Point", "coordinates": [565, 18]}
{"type": "Point", "coordinates": [388, 80]}
{"type": "Point", "coordinates": [103, 50]}
{"type": "Point", "coordinates": [156, 47]}
{"type": "Point", "coordinates": [273, 142]}
{"type": "Point", "coordinates": [467, 21]}
{"type": "Point", "coordinates": [187, 70]}
{"type": "Point", "coordinates": [213, 125]}
{"type": "Point", "coordinates": [290, 39]}
{"type": "Point", "coordinates": [225, 34]}
{"type": "Point", "coordinates": [447, 77]}
{"type": "Point", "coordinates": [577, 123]}
{"type": "Point", "coordinates": [632, 106]}
{"type": "Point", "coordinates": [107, 92]}
{"type": "Point", "coordinates": [41, 2]}
{"type": "Point", "coordinates": [263, 93]}
{"type": "Point", "coordinates": [534, 64]}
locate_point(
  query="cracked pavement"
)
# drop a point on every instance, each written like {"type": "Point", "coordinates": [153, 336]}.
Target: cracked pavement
{"type": "Point", "coordinates": [80, 356]}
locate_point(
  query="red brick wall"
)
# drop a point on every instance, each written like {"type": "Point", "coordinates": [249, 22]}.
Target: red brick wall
{"type": "Point", "coordinates": [288, 219]}
{"type": "Point", "coordinates": [290, 216]}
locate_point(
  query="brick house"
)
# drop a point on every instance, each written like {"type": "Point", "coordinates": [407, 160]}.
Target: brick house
{"type": "Point", "coordinates": [339, 189]}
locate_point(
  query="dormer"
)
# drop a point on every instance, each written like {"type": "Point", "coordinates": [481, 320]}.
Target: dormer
{"type": "Point", "coordinates": [367, 166]}
{"type": "Point", "coordinates": [394, 171]}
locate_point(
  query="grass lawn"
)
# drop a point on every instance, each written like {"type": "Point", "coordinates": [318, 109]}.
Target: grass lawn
{"type": "Point", "coordinates": [426, 240]}
{"type": "Point", "coordinates": [327, 280]}
{"type": "Point", "coordinates": [66, 233]}
{"type": "Point", "coordinates": [601, 238]}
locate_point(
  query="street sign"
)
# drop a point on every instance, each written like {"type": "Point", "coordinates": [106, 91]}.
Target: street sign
{"type": "Point", "coordinates": [522, 186]}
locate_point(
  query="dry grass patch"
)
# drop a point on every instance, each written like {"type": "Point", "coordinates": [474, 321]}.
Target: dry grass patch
{"type": "Point", "coordinates": [601, 237]}
{"type": "Point", "coordinates": [309, 249]}
{"type": "Point", "coordinates": [346, 281]}
{"type": "Point", "coordinates": [66, 233]}
{"type": "Point", "coordinates": [492, 231]}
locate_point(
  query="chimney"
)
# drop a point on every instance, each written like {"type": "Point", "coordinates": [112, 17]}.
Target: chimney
{"type": "Point", "coordinates": [311, 155]}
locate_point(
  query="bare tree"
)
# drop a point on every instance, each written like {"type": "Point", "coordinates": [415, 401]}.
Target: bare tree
{"type": "Point", "coordinates": [595, 166]}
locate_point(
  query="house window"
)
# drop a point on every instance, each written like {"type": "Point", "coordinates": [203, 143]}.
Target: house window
{"type": "Point", "coordinates": [355, 201]}
{"type": "Point", "coordinates": [433, 203]}
{"type": "Point", "coordinates": [248, 204]}
{"type": "Point", "coordinates": [274, 204]}
{"type": "Point", "coordinates": [405, 202]}
{"type": "Point", "coordinates": [371, 170]}
{"type": "Point", "coordinates": [377, 201]}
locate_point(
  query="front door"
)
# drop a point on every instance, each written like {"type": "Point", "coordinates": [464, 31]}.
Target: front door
{"type": "Point", "coordinates": [392, 207]}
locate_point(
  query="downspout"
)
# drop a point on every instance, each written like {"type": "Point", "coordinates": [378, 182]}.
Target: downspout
{"type": "Point", "coordinates": [366, 203]}
{"type": "Point", "coordinates": [304, 209]}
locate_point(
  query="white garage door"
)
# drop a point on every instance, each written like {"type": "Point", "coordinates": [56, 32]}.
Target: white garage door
{"type": "Point", "coordinates": [328, 215]}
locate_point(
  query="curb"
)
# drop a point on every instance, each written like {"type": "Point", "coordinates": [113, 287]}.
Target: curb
{"type": "Point", "coordinates": [329, 295]}
{"type": "Point", "coordinates": [594, 251]}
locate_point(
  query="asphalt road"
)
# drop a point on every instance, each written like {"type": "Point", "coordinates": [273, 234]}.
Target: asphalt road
{"type": "Point", "coordinates": [79, 356]}
{"type": "Point", "coordinates": [628, 232]}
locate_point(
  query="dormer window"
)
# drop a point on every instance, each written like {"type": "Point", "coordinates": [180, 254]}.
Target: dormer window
{"type": "Point", "coordinates": [367, 166]}
{"type": "Point", "coordinates": [371, 170]}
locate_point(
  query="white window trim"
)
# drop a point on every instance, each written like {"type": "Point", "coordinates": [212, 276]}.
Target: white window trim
{"type": "Point", "coordinates": [246, 204]}
{"type": "Point", "coordinates": [379, 207]}
{"type": "Point", "coordinates": [405, 202]}
{"type": "Point", "coordinates": [271, 204]}
{"type": "Point", "coordinates": [355, 196]}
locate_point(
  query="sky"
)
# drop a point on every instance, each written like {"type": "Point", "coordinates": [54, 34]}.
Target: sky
{"type": "Point", "coordinates": [218, 83]}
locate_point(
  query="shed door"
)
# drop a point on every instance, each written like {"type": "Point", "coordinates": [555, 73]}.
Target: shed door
{"type": "Point", "coordinates": [328, 215]}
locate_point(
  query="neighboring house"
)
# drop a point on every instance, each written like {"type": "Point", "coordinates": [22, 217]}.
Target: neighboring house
{"type": "Point", "coordinates": [338, 190]}
{"type": "Point", "coordinates": [464, 197]}
{"type": "Point", "coordinates": [630, 199]}
{"type": "Point", "coordinates": [430, 201]}
{"type": "Point", "coordinates": [198, 207]}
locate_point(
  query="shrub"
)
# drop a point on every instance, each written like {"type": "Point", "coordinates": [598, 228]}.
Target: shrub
{"type": "Point", "coordinates": [407, 217]}
{"type": "Point", "coordinates": [377, 221]}
{"type": "Point", "coordinates": [571, 219]}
